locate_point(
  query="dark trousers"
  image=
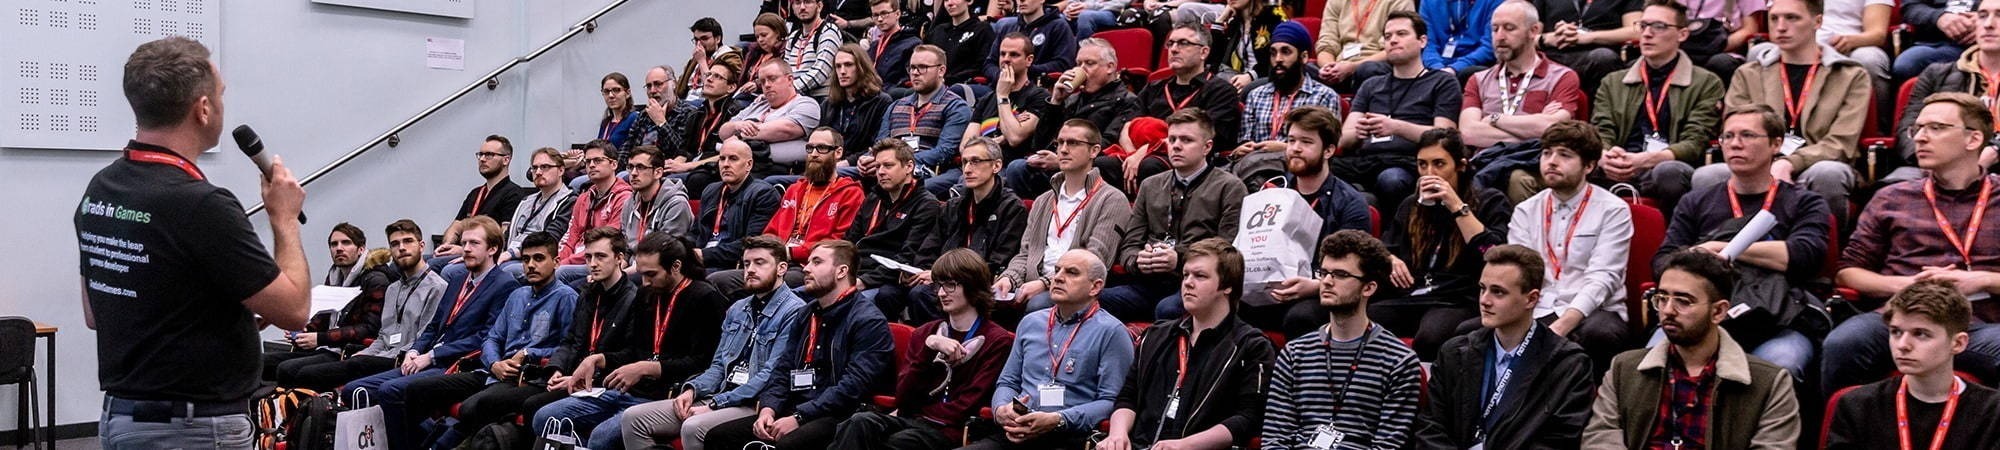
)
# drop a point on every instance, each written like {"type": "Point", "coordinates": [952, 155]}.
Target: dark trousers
{"type": "Point", "coordinates": [870, 430]}
{"type": "Point", "coordinates": [495, 403]}
{"type": "Point", "coordinates": [305, 358]}
{"type": "Point", "coordinates": [1057, 440]}
{"type": "Point", "coordinates": [815, 433]}
{"type": "Point", "coordinates": [1431, 323]}
{"type": "Point", "coordinates": [320, 375]}
{"type": "Point", "coordinates": [427, 396]}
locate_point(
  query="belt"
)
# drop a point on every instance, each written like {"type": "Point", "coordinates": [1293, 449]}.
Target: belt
{"type": "Point", "coordinates": [162, 411]}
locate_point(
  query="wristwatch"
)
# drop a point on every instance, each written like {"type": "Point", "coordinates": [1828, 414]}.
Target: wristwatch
{"type": "Point", "coordinates": [1464, 210]}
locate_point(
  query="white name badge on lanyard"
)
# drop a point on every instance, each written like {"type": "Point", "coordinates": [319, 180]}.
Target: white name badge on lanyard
{"type": "Point", "coordinates": [740, 375]}
{"type": "Point", "coordinates": [1350, 51]}
{"type": "Point", "coordinates": [1051, 395]}
{"type": "Point", "coordinates": [1792, 144]}
{"type": "Point", "coordinates": [802, 379]}
{"type": "Point", "coordinates": [1173, 406]}
{"type": "Point", "coordinates": [712, 243]}
{"type": "Point", "coordinates": [395, 339]}
{"type": "Point", "coordinates": [1655, 143]}
{"type": "Point", "coordinates": [1324, 437]}
{"type": "Point", "coordinates": [1378, 139]}
{"type": "Point", "coordinates": [1450, 47]}
{"type": "Point", "coordinates": [914, 142]}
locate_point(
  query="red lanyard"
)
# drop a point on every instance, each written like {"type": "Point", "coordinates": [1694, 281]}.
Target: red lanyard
{"type": "Point", "coordinates": [463, 294]}
{"type": "Point", "coordinates": [1055, 358]}
{"type": "Point", "coordinates": [1972, 228]}
{"type": "Point", "coordinates": [881, 45]}
{"type": "Point", "coordinates": [1361, 16]}
{"type": "Point", "coordinates": [155, 157]}
{"type": "Point", "coordinates": [1167, 90]}
{"type": "Point", "coordinates": [479, 200]}
{"type": "Point", "coordinates": [1737, 205]}
{"type": "Point", "coordinates": [708, 129]}
{"type": "Point", "coordinates": [805, 42]}
{"type": "Point", "coordinates": [1797, 106]}
{"type": "Point", "coordinates": [972, 214]}
{"type": "Point", "coordinates": [660, 329]}
{"type": "Point", "coordinates": [1653, 106]}
{"type": "Point", "coordinates": [1903, 414]}
{"type": "Point", "coordinates": [799, 217]}
{"type": "Point", "coordinates": [721, 206]}
{"type": "Point", "coordinates": [1992, 96]}
{"type": "Point", "coordinates": [1280, 104]}
{"type": "Point", "coordinates": [812, 331]}
{"type": "Point", "coordinates": [875, 216]}
{"type": "Point", "coordinates": [1180, 377]}
{"type": "Point", "coordinates": [1548, 219]}
{"type": "Point", "coordinates": [916, 113]}
{"type": "Point", "coordinates": [1092, 193]}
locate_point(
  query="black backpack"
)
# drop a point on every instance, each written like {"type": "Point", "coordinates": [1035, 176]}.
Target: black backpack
{"type": "Point", "coordinates": [504, 435]}
{"type": "Point", "coordinates": [295, 419]}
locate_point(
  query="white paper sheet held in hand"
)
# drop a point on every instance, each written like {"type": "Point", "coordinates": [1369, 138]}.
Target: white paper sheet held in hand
{"type": "Point", "coordinates": [1752, 232]}
{"type": "Point", "coordinates": [892, 264]}
{"type": "Point", "coordinates": [332, 298]}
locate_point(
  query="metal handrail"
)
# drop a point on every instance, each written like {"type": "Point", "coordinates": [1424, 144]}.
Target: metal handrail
{"type": "Point", "coordinates": [490, 81]}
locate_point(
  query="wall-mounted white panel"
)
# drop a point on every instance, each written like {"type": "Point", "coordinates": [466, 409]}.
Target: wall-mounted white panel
{"type": "Point", "coordinates": [448, 8]}
{"type": "Point", "coordinates": [64, 91]}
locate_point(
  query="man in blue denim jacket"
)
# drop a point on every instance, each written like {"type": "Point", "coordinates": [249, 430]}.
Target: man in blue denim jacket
{"type": "Point", "coordinates": [845, 358]}
{"type": "Point", "coordinates": [1068, 364]}
{"type": "Point", "coordinates": [756, 332]}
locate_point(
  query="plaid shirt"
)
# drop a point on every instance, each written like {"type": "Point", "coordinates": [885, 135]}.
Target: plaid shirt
{"type": "Point", "coordinates": [670, 138]}
{"type": "Point", "coordinates": [1261, 120]}
{"type": "Point", "coordinates": [1898, 234]}
{"type": "Point", "coordinates": [1685, 407]}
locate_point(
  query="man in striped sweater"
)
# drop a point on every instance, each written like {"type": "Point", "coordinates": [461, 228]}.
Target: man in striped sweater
{"type": "Point", "coordinates": [1349, 384]}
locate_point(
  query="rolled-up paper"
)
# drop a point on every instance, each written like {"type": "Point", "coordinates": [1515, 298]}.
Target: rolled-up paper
{"type": "Point", "coordinates": [1752, 232]}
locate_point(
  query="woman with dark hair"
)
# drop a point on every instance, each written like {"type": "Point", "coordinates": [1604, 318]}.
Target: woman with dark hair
{"type": "Point", "coordinates": [855, 102]}
{"type": "Point", "coordinates": [618, 110]}
{"type": "Point", "coordinates": [1439, 237]}
{"type": "Point", "coordinates": [952, 366]}
{"type": "Point", "coordinates": [768, 32]}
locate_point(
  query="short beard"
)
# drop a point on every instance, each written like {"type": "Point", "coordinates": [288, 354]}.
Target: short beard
{"type": "Point", "coordinates": [1689, 336]}
{"type": "Point", "coordinates": [1343, 310]}
{"type": "Point", "coordinates": [1287, 78]}
{"type": "Point", "coordinates": [490, 174]}
{"type": "Point", "coordinates": [1309, 169]}
{"type": "Point", "coordinates": [818, 173]}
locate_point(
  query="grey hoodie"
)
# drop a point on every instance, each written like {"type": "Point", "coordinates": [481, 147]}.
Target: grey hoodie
{"type": "Point", "coordinates": [670, 213]}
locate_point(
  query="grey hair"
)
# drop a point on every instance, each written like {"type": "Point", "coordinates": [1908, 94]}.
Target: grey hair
{"type": "Point", "coordinates": [992, 147]}
{"type": "Point", "coordinates": [1200, 33]}
{"type": "Point", "coordinates": [1096, 271]}
{"type": "Point", "coordinates": [1104, 47]}
{"type": "Point", "coordinates": [1533, 15]}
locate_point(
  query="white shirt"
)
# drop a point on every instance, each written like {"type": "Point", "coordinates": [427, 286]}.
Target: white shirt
{"type": "Point", "coordinates": [1593, 260]}
{"type": "Point", "coordinates": [1843, 17]}
{"type": "Point", "coordinates": [1066, 204]}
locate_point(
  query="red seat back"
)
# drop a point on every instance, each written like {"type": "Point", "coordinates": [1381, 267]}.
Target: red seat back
{"type": "Point", "coordinates": [1832, 404]}
{"type": "Point", "coordinates": [1375, 222]}
{"type": "Point", "coordinates": [1903, 101]}
{"type": "Point", "coordinates": [1649, 228]}
{"type": "Point", "coordinates": [1134, 47]}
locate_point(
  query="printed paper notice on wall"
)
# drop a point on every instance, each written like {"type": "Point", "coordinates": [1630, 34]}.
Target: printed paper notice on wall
{"type": "Point", "coordinates": [444, 53]}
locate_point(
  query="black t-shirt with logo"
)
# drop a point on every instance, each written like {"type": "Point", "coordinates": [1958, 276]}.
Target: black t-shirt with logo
{"type": "Point", "coordinates": [167, 260]}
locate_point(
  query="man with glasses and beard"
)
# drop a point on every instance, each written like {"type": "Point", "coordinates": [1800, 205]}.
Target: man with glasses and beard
{"type": "Point", "coordinates": [819, 207]}
{"type": "Point", "coordinates": [496, 198]}
{"type": "Point", "coordinates": [545, 209]}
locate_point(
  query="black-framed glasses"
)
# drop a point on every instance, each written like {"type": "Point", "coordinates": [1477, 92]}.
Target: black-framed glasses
{"type": "Point", "coordinates": [489, 155]}
{"type": "Point", "coordinates": [542, 167]}
{"type": "Point", "coordinates": [597, 160]}
{"type": "Point", "coordinates": [1177, 43]}
{"type": "Point", "coordinates": [821, 148]}
{"type": "Point", "coordinates": [946, 285]}
{"type": "Point", "coordinates": [920, 68]}
{"type": "Point", "coordinates": [1335, 274]}
{"type": "Point", "coordinates": [637, 166]}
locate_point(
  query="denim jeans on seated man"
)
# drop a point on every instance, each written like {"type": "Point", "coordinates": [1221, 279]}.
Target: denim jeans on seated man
{"type": "Point", "coordinates": [1142, 302]}
{"type": "Point", "coordinates": [1788, 349]}
{"type": "Point", "coordinates": [120, 431]}
{"type": "Point", "coordinates": [1857, 353]}
{"type": "Point", "coordinates": [1091, 20]}
{"type": "Point", "coordinates": [597, 418]}
{"type": "Point", "coordinates": [1912, 61]}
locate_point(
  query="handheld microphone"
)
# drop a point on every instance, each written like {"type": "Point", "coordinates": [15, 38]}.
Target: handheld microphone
{"type": "Point", "coordinates": [253, 147]}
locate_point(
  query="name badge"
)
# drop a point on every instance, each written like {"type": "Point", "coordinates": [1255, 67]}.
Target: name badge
{"type": "Point", "coordinates": [1051, 395]}
{"type": "Point", "coordinates": [1959, 6]}
{"type": "Point", "coordinates": [795, 242]}
{"type": "Point", "coordinates": [802, 379]}
{"type": "Point", "coordinates": [1350, 51]}
{"type": "Point", "coordinates": [1450, 47]}
{"type": "Point", "coordinates": [1425, 290]}
{"type": "Point", "coordinates": [1655, 143]}
{"type": "Point", "coordinates": [1379, 139]}
{"type": "Point", "coordinates": [1324, 437]}
{"type": "Point", "coordinates": [1173, 406]}
{"type": "Point", "coordinates": [739, 376]}
{"type": "Point", "coordinates": [711, 244]}
{"type": "Point", "coordinates": [395, 339]}
{"type": "Point", "coordinates": [1792, 144]}
{"type": "Point", "coordinates": [914, 142]}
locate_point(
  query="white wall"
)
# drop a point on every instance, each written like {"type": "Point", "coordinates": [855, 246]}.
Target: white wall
{"type": "Point", "coordinates": [318, 80]}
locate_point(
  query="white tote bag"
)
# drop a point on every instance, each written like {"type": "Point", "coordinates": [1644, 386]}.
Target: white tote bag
{"type": "Point", "coordinates": [1276, 234]}
{"type": "Point", "coordinates": [360, 428]}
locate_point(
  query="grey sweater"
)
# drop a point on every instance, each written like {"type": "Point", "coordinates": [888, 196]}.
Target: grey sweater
{"type": "Point", "coordinates": [406, 308]}
{"type": "Point", "coordinates": [1096, 227]}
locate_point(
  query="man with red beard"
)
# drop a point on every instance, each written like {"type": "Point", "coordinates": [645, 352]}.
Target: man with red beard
{"type": "Point", "coordinates": [818, 207]}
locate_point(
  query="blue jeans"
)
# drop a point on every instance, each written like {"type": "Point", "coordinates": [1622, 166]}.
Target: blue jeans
{"type": "Point", "coordinates": [1092, 20]}
{"type": "Point", "coordinates": [1393, 185]}
{"type": "Point", "coordinates": [572, 275]}
{"type": "Point", "coordinates": [1139, 302]}
{"type": "Point", "coordinates": [1913, 60]}
{"type": "Point", "coordinates": [386, 389]}
{"type": "Point", "coordinates": [940, 184]}
{"type": "Point", "coordinates": [1857, 352]}
{"type": "Point", "coordinates": [1788, 349]}
{"type": "Point", "coordinates": [119, 431]}
{"type": "Point", "coordinates": [1021, 178]}
{"type": "Point", "coordinates": [601, 415]}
